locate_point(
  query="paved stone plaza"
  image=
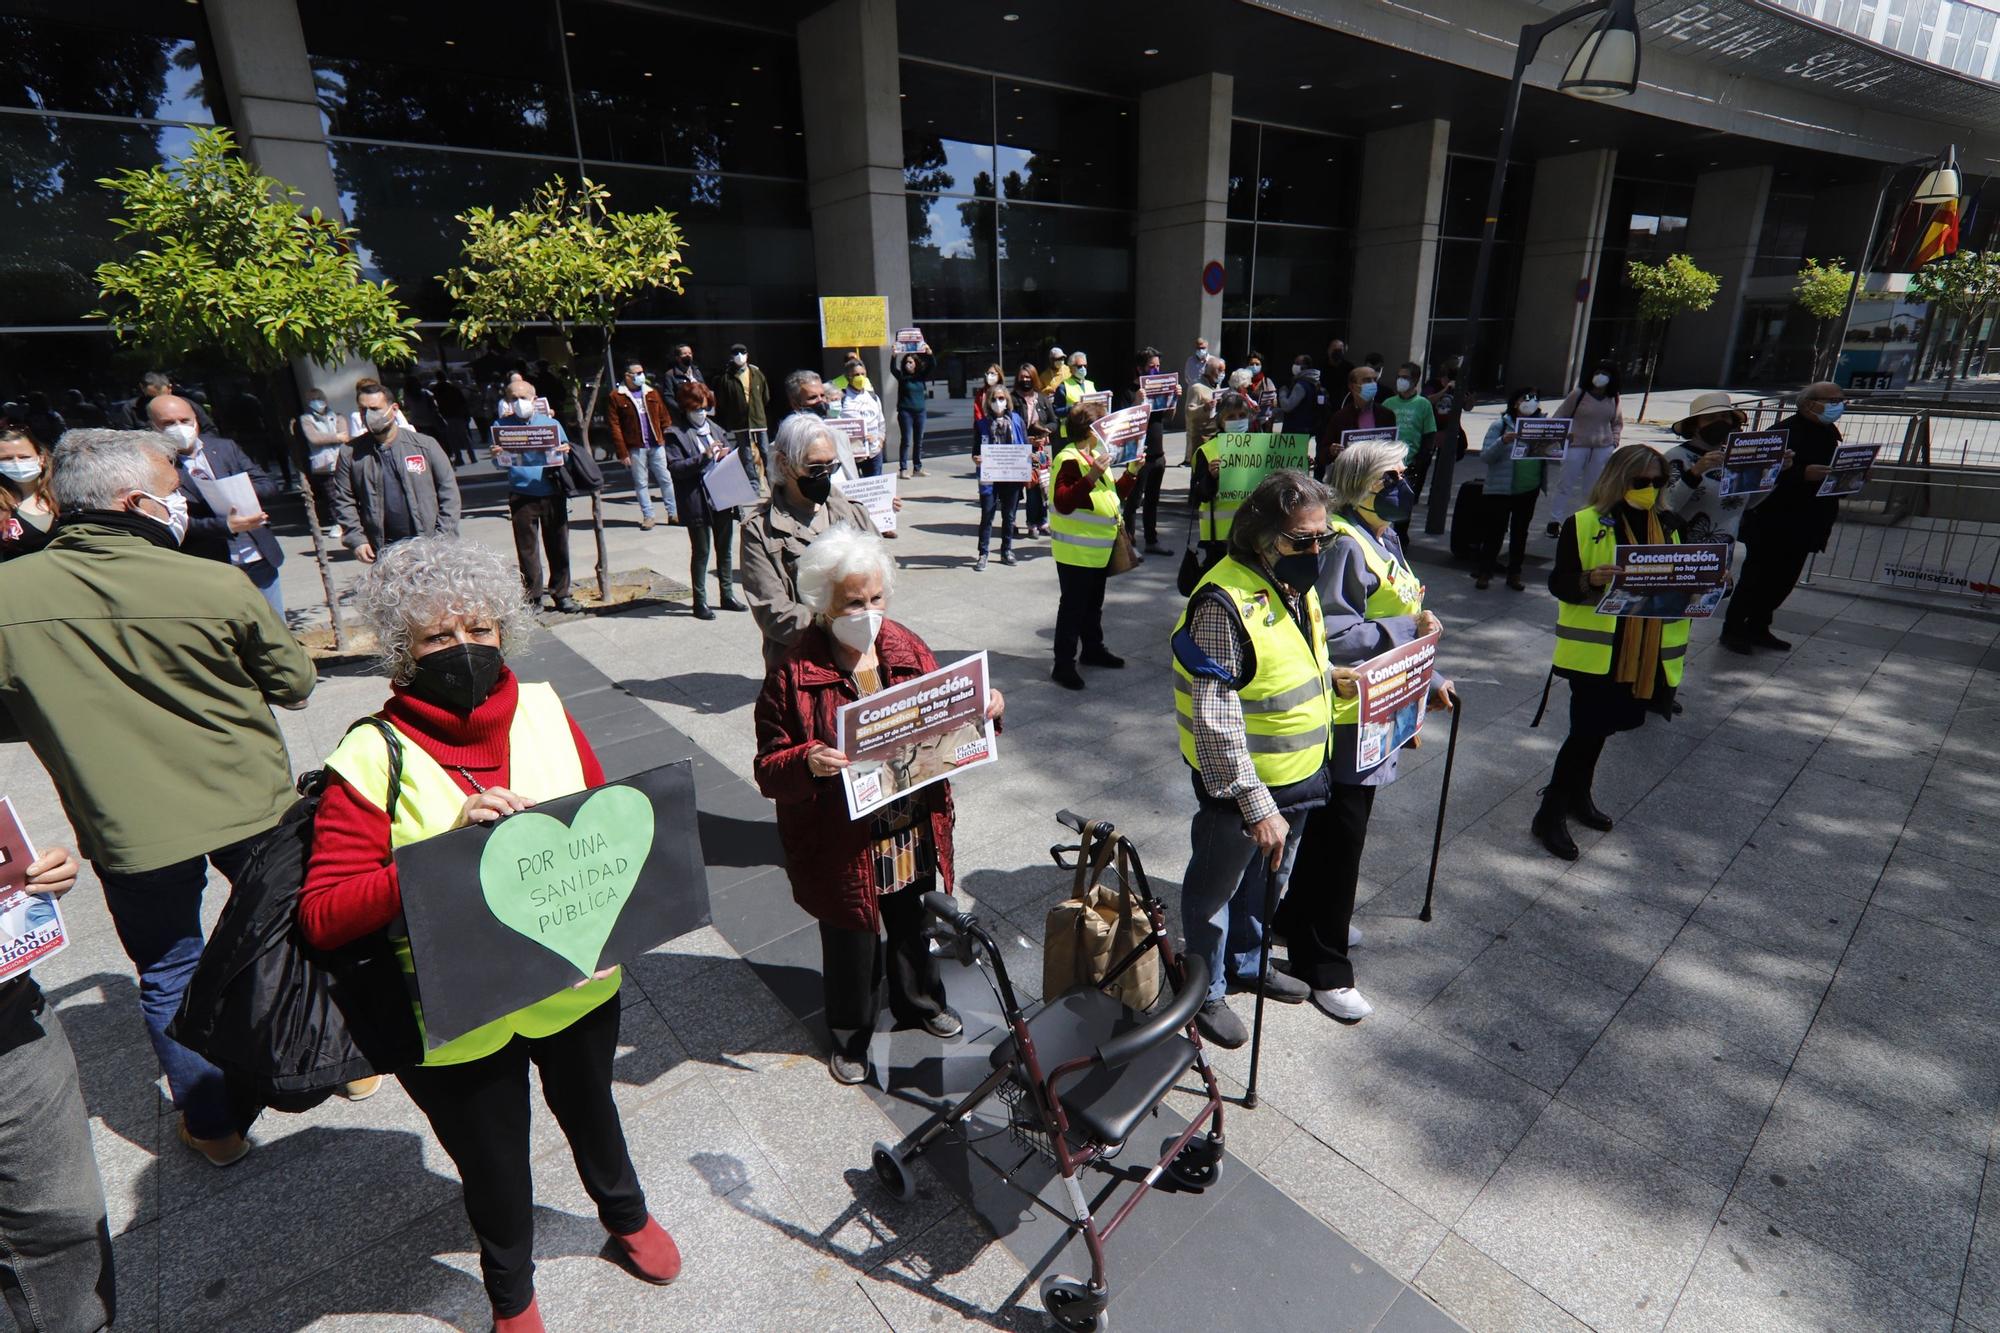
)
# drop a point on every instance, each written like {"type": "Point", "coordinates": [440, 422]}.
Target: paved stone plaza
{"type": "Point", "coordinates": [1733, 1069]}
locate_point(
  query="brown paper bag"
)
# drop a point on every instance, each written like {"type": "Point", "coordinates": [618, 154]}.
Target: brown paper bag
{"type": "Point", "coordinates": [1092, 931]}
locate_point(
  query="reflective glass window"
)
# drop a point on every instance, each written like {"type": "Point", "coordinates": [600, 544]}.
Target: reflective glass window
{"type": "Point", "coordinates": [112, 58]}
{"type": "Point", "coordinates": [1468, 181]}
{"type": "Point", "coordinates": [951, 257]}
{"type": "Point", "coordinates": [748, 242]}
{"type": "Point", "coordinates": [1064, 261]}
{"type": "Point", "coordinates": [1242, 170]}
{"type": "Point", "coordinates": [947, 131]}
{"type": "Point", "coordinates": [1302, 272]}
{"type": "Point", "coordinates": [1308, 178]}
{"type": "Point", "coordinates": [1059, 147]}
{"type": "Point", "coordinates": [1237, 241]}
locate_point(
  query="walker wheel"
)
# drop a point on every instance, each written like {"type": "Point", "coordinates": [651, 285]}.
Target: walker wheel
{"type": "Point", "coordinates": [1197, 1166]}
{"type": "Point", "coordinates": [893, 1173]}
{"type": "Point", "coordinates": [1073, 1306]}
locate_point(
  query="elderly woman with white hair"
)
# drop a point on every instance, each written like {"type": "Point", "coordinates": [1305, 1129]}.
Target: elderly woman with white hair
{"type": "Point", "coordinates": [1373, 601]}
{"type": "Point", "coordinates": [862, 879]}
{"type": "Point", "coordinates": [477, 745]}
{"type": "Point", "coordinates": [804, 459]}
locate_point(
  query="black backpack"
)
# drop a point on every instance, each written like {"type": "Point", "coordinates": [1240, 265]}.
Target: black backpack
{"type": "Point", "coordinates": [288, 1024]}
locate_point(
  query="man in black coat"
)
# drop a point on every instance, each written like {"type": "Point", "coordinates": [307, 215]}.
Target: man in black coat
{"type": "Point", "coordinates": [235, 538]}
{"type": "Point", "coordinates": [1792, 523]}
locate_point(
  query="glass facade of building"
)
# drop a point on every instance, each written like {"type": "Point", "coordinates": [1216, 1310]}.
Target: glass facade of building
{"type": "Point", "coordinates": [1648, 221]}
{"type": "Point", "coordinates": [1467, 181]}
{"type": "Point", "coordinates": [1289, 248]}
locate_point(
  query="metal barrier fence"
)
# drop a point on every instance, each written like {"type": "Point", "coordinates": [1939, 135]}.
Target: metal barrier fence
{"type": "Point", "coordinates": [1929, 518]}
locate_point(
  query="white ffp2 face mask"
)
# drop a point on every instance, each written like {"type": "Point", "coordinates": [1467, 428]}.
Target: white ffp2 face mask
{"type": "Point", "coordinates": [858, 631]}
{"type": "Point", "coordinates": [182, 434]}
{"type": "Point", "coordinates": [176, 506]}
{"type": "Point", "coordinates": [22, 470]}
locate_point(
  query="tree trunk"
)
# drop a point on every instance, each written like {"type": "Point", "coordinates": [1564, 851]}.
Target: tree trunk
{"type": "Point", "coordinates": [585, 411]}
{"type": "Point", "coordinates": [1652, 365]}
{"type": "Point", "coordinates": [1819, 350]}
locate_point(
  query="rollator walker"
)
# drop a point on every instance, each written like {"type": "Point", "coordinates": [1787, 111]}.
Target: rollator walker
{"type": "Point", "coordinates": [1078, 1076]}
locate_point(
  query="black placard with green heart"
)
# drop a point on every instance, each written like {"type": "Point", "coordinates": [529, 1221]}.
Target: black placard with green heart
{"type": "Point", "coordinates": [502, 915]}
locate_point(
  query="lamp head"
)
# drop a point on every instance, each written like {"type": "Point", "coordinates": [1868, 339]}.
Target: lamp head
{"type": "Point", "coordinates": [1606, 63]}
{"type": "Point", "coordinates": [1940, 184]}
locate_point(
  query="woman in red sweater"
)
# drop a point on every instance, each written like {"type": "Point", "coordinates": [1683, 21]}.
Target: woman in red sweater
{"type": "Point", "coordinates": [478, 745]}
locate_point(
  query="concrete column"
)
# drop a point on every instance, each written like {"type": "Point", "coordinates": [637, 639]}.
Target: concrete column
{"type": "Point", "coordinates": [260, 54]}
{"type": "Point", "coordinates": [1395, 244]}
{"type": "Point", "coordinates": [1561, 250]}
{"type": "Point", "coordinates": [1723, 229]}
{"type": "Point", "coordinates": [854, 163]}
{"type": "Point", "coordinates": [1183, 199]}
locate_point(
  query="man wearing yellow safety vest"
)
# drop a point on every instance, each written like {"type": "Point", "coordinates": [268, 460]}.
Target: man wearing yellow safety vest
{"type": "Point", "coordinates": [1254, 700]}
{"type": "Point", "coordinates": [1085, 513]}
{"type": "Point", "coordinates": [1619, 668]}
{"type": "Point", "coordinates": [1070, 390]}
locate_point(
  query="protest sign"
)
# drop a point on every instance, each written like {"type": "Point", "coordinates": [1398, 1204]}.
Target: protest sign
{"type": "Point", "coordinates": [234, 493]}
{"type": "Point", "coordinates": [1102, 398]}
{"type": "Point", "coordinates": [875, 494]}
{"type": "Point", "coordinates": [1395, 689]}
{"type": "Point", "coordinates": [523, 439]}
{"type": "Point", "coordinates": [1848, 472]}
{"type": "Point", "coordinates": [503, 915]}
{"type": "Point", "coordinates": [1011, 460]}
{"type": "Point", "coordinates": [1544, 438]}
{"type": "Point", "coordinates": [916, 733]}
{"type": "Point", "coordinates": [1161, 392]}
{"type": "Point", "coordinates": [31, 925]}
{"type": "Point", "coordinates": [728, 481]}
{"type": "Point", "coordinates": [1123, 432]}
{"type": "Point", "coordinates": [1751, 461]}
{"type": "Point", "coordinates": [910, 342]}
{"type": "Point", "coordinates": [1248, 459]}
{"type": "Point", "coordinates": [1667, 582]}
{"type": "Point", "coordinates": [1348, 437]}
{"type": "Point", "coordinates": [853, 321]}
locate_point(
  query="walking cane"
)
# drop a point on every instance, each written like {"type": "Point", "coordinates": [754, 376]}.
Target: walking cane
{"type": "Point", "coordinates": [1272, 894]}
{"type": "Point", "coordinates": [1444, 794]}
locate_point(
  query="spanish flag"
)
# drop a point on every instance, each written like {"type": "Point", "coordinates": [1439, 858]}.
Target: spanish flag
{"type": "Point", "coordinates": [1941, 236]}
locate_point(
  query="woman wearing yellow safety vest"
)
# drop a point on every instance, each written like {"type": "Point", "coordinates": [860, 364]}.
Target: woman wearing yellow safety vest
{"type": "Point", "coordinates": [477, 744]}
{"type": "Point", "coordinates": [1085, 513]}
{"type": "Point", "coordinates": [1374, 602]}
{"type": "Point", "coordinates": [1204, 485]}
{"type": "Point", "coordinates": [1254, 699]}
{"type": "Point", "coordinates": [1619, 668]}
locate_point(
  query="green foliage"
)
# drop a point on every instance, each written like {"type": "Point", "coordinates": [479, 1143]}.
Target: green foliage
{"type": "Point", "coordinates": [223, 258]}
{"type": "Point", "coordinates": [1961, 284]}
{"type": "Point", "coordinates": [1672, 287]}
{"type": "Point", "coordinates": [1821, 289]}
{"type": "Point", "coordinates": [566, 259]}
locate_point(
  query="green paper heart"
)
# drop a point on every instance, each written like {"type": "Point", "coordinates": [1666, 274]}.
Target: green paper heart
{"type": "Point", "coordinates": [564, 885]}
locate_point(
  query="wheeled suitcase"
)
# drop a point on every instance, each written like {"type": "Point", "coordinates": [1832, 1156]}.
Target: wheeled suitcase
{"type": "Point", "coordinates": [1465, 515]}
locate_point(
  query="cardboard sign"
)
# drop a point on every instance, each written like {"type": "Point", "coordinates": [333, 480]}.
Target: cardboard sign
{"type": "Point", "coordinates": [1248, 459]}
{"type": "Point", "coordinates": [1849, 471]}
{"type": "Point", "coordinates": [1395, 689]}
{"type": "Point", "coordinates": [853, 321]}
{"type": "Point", "coordinates": [1161, 392]}
{"type": "Point", "coordinates": [1751, 461]}
{"type": "Point", "coordinates": [542, 408]}
{"type": "Point", "coordinates": [525, 439]}
{"type": "Point", "coordinates": [1123, 432]}
{"type": "Point", "coordinates": [911, 735]}
{"type": "Point", "coordinates": [1102, 397]}
{"type": "Point", "coordinates": [1543, 438]}
{"type": "Point", "coordinates": [875, 494]}
{"type": "Point", "coordinates": [503, 915]}
{"type": "Point", "coordinates": [1667, 582]}
{"type": "Point", "coordinates": [1010, 461]}
{"type": "Point", "coordinates": [729, 483]}
{"type": "Point", "coordinates": [1348, 437]}
{"type": "Point", "coordinates": [909, 342]}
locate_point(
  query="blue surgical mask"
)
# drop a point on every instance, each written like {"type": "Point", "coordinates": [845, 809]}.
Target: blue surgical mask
{"type": "Point", "coordinates": [1395, 500]}
{"type": "Point", "coordinates": [1368, 392]}
{"type": "Point", "coordinates": [1830, 412]}
{"type": "Point", "coordinates": [317, 407]}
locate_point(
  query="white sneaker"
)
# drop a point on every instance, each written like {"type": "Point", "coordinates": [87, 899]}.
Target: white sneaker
{"type": "Point", "coordinates": [1346, 1004]}
{"type": "Point", "coordinates": [1354, 937]}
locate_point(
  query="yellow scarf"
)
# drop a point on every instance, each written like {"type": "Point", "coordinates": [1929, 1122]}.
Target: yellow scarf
{"type": "Point", "coordinates": [1639, 644]}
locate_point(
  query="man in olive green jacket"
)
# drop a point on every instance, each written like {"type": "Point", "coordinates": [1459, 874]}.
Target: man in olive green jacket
{"type": "Point", "coordinates": [143, 678]}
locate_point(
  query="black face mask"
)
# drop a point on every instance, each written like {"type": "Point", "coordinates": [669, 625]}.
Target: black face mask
{"type": "Point", "coordinates": [816, 489]}
{"type": "Point", "coordinates": [1716, 433]}
{"type": "Point", "coordinates": [459, 677]}
{"type": "Point", "coordinates": [818, 409]}
{"type": "Point", "coordinates": [1301, 571]}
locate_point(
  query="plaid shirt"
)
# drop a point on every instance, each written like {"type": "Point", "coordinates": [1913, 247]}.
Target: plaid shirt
{"type": "Point", "coordinates": [1220, 744]}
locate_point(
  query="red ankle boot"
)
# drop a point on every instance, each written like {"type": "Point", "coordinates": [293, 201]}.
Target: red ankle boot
{"type": "Point", "coordinates": [650, 1252]}
{"type": "Point", "coordinates": [528, 1321]}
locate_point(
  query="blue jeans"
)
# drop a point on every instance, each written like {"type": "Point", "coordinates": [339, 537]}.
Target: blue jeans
{"type": "Point", "coordinates": [911, 452]}
{"type": "Point", "coordinates": [649, 465]}
{"type": "Point", "coordinates": [157, 914]}
{"type": "Point", "coordinates": [868, 467]}
{"type": "Point", "coordinates": [1222, 894]}
{"type": "Point", "coordinates": [265, 575]}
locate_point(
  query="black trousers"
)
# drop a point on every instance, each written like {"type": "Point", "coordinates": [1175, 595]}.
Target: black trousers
{"type": "Point", "coordinates": [1080, 610]}
{"type": "Point", "coordinates": [1505, 518]}
{"type": "Point", "coordinates": [541, 523]}
{"type": "Point", "coordinates": [479, 1112]}
{"type": "Point", "coordinates": [854, 964]}
{"type": "Point", "coordinates": [1320, 905]}
{"type": "Point", "coordinates": [1144, 498]}
{"type": "Point", "coordinates": [1771, 569]}
{"type": "Point", "coordinates": [711, 537]}
{"type": "Point", "coordinates": [1418, 470]}
{"type": "Point", "coordinates": [1576, 770]}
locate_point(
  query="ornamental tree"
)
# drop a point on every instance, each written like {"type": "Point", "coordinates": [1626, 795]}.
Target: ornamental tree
{"type": "Point", "coordinates": [1822, 291]}
{"type": "Point", "coordinates": [569, 261]}
{"type": "Point", "coordinates": [1960, 287]}
{"type": "Point", "coordinates": [1673, 287]}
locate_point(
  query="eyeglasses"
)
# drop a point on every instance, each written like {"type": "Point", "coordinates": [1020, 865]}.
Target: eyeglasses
{"type": "Point", "coordinates": [818, 470]}
{"type": "Point", "coordinates": [1300, 541]}
{"type": "Point", "coordinates": [1654, 480]}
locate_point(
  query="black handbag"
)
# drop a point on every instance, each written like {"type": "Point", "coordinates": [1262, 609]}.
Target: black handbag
{"type": "Point", "coordinates": [1195, 562]}
{"type": "Point", "coordinates": [289, 1024]}
{"type": "Point", "coordinates": [580, 473]}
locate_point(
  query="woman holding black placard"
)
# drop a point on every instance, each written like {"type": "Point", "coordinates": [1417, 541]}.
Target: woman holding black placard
{"type": "Point", "coordinates": [476, 745]}
{"type": "Point", "coordinates": [1619, 668]}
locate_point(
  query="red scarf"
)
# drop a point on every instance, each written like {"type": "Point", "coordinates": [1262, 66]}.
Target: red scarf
{"type": "Point", "coordinates": [475, 741]}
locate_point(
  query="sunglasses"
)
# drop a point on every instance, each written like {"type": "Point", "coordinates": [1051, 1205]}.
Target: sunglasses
{"type": "Point", "coordinates": [818, 470]}
{"type": "Point", "coordinates": [1301, 541]}
{"type": "Point", "coordinates": [1652, 480]}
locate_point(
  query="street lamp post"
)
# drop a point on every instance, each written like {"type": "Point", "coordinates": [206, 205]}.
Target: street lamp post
{"type": "Point", "coordinates": [1605, 66]}
{"type": "Point", "coordinates": [1939, 185]}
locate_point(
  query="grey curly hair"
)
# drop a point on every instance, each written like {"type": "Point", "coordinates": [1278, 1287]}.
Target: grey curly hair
{"type": "Point", "coordinates": [1358, 467]}
{"type": "Point", "coordinates": [416, 583]}
{"type": "Point", "coordinates": [841, 552]}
